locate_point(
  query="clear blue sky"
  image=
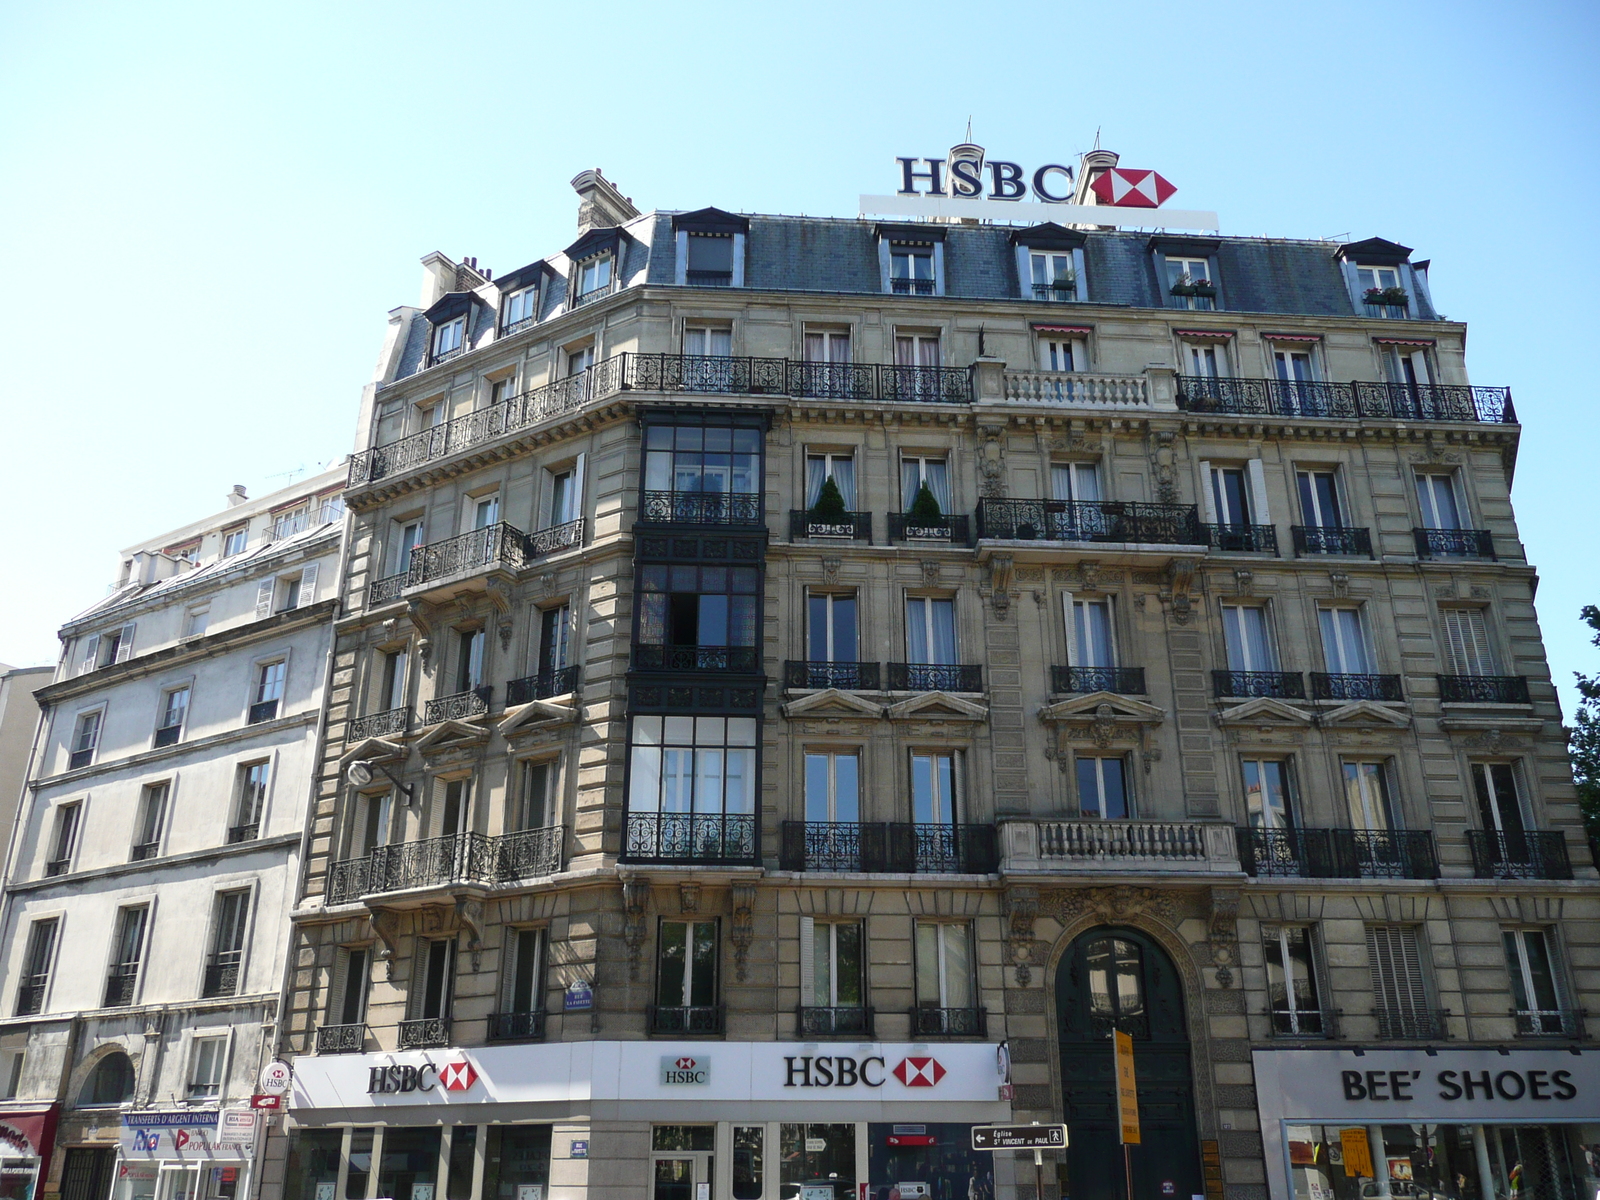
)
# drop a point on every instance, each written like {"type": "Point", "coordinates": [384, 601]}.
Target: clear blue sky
{"type": "Point", "coordinates": [207, 209]}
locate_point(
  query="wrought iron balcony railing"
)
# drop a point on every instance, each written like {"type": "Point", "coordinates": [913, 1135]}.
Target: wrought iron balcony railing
{"type": "Point", "coordinates": [846, 676]}
{"type": "Point", "coordinates": [1417, 1025]}
{"type": "Point", "coordinates": [1346, 401]}
{"type": "Point", "coordinates": [1279, 685]}
{"type": "Point", "coordinates": [263, 710]}
{"type": "Point", "coordinates": [957, 529]}
{"type": "Point", "coordinates": [842, 1021]}
{"type": "Point", "coordinates": [30, 995]}
{"type": "Point", "coordinates": [435, 357]}
{"type": "Point", "coordinates": [221, 975]}
{"type": "Point", "coordinates": [854, 526]}
{"type": "Point", "coordinates": [144, 850]}
{"type": "Point", "coordinates": [391, 722]}
{"type": "Point", "coordinates": [57, 866]}
{"type": "Point", "coordinates": [929, 1021]}
{"type": "Point", "coordinates": [516, 1026]}
{"type": "Point", "coordinates": [424, 1033]}
{"type": "Point", "coordinates": [1338, 853]}
{"type": "Point", "coordinates": [120, 986]}
{"type": "Point", "coordinates": [1242, 539]}
{"type": "Point", "coordinates": [690, 837]}
{"type": "Point", "coordinates": [458, 706]}
{"type": "Point", "coordinates": [168, 735]}
{"type": "Point", "coordinates": [939, 385]}
{"type": "Point", "coordinates": [713, 373]}
{"type": "Point", "coordinates": [833, 381]}
{"type": "Point", "coordinates": [1325, 686]}
{"type": "Point", "coordinates": [1304, 1022]}
{"type": "Point", "coordinates": [248, 832]}
{"type": "Point", "coordinates": [529, 853]}
{"type": "Point", "coordinates": [833, 846]}
{"type": "Point", "coordinates": [912, 287]}
{"type": "Point", "coordinates": [455, 858]}
{"type": "Point", "coordinates": [1124, 681]}
{"type": "Point", "coordinates": [494, 546]}
{"type": "Point", "coordinates": [702, 508]}
{"type": "Point", "coordinates": [1567, 1023]}
{"type": "Point", "coordinates": [1483, 689]}
{"type": "Point", "coordinates": [685, 1020]}
{"type": "Point", "coordinates": [386, 590]}
{"type": "Point", "coordinates": [1453, 543]}
{"type": "Point", "coordinates": [543, 685]}
{"type": "Point", "coordinates": [934, 677]}
{"type": "Point", "coordinates": [518, 325]}
{"type": "Point", "coordinates": [743, 660]}
{"type": "Point", "coordinates": [903, 848]}
{"type": "Point", "coordinates": [341, 1039]}
{"type": "Point", "coordinates": [1055, 291]}
{"type": "Point", "coordinates": [593, 294]}
{"type": "Point", "coordinates": [82, 758]}
{"type": "Point", "coordinates": [1090, 521]}
{"type": "Point", "coordinates": [925, 848]}
{"type": "Point", "coordinates": [1519, 854]}
{"type": "Point", "coordinates": [1331, 539]}
{"type": "Point", "coordinates": [553, 538]}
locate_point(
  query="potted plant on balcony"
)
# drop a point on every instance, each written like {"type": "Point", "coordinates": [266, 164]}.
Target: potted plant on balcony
{"type": "Point", "coordinates": [1184, 285]}
{"type": "Point", "coordinates": [828, 517]}
{"type": "Point", "coordinates": [1394, 296]}
{"type": "Point", "coordinates": [925, 518]}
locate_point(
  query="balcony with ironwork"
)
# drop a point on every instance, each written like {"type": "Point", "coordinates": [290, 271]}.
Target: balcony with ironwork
{"type": "Point", "coordinates": [458, 706]}
{"type": "Point", "coordinates": [542, 686]}
{"type": "Point", "coordinates": [1519, 854]}
{"type": "Point", "coordinates": [1061, 290]}
{"type": "Point", "coordinates": [424, 1033]}
{"type": "Point", "coordinates": [811, 1021]}
{"type": "Point", "coordinates": [80, 758]}
{"type": "Point", "coordinates": [912, 287]}
{"type": "Point", "coordinates": [1089, 845]}
{"type": "Point", "coordinates": [386, 590]}
{"type": "Point", "coordinates": [579, 299]}
{"type": "Point", "coordinates": [1242, 539]}
{"type": "Point", "coordinates": [168, 735]}
{"type": "Point", "coordinates": [341, 1039]}
{"type": "Point", "coordinates": [391, 722]}
{"type": "Point", "coordinates": [805, 525]}
{"type": "Point", "coordinates": [1359, 400]}
{"type": "Point", "coordinates": [833, 846]}
{"type": "Point", "coordinates": [221, 974]}
{"type": "Point", "coordinates": [1397, 1025]}
{"type": "Point", "coordinates": [1454, 543]}
{"type": "Point", "coordinates": [708, 1020]}
{"type": "Point", "coordinates": [1566, 1024]}
{"type": "Point", "coordinates": [437, 357]}
{"type": "Point", "coordinates": [690, 837]}
{"type": "Point", "coordinates": [718, 509]}
{"type": "Point", "coordinates": [1320, 1023]}
{"type": "Point", "coordinates": [552, 539]}
{"type": "Point", "coordinates": [933, 677]}
{"type": "Point", "coordinates": [57, 866]}
{"type": "Point", "coordinates": [144, 850]}
{"type": "Point", "coordinates": [846, 676]}
{"type": "Point", "coordinates": [30, 995]}
{"type": "Point", "coordinates": [952, 530]}
{"type": "Point", "coordinates": [937, 385]}
{"type": "Point", "coordinates": [1276, 685]}
{"type": "Point", "coordinates": [1124, 521]}
{"type": "Point", "coordinates": [516, 1026]}
{"type": "Point", "coordinates": [738, 660]}
{"type": "Point", "coordinates": [902, 848]}
{"type": "Point", "coordinates": [833, 381]}
{"type": "Point", "coordinates": [248, 832]}
{"type": "Point", "coordinates": [1124, 681]}
{"type": "Point", "coordinates": [528, 853]}
{"type": "Point", "coordinates": [120, 987]}
{"type": "Point", "coordinates": [1483, 689]}
{"type": "Point", "coordinates": [1338, 853]}
{"type": "Point", "coordinates": [931, 1022]}
{"type": "Point", "coordinates": [457, 858]}
{"type": "Point", "coordinates": [717, 374]}
{"type": "Point", "coordinates": [929, 848]}
{"type": "Point", "coordinates": [1383, 688]}
{"type": "Point", "coordinates": [466, 558]}
{"type": "Point", "coordinates": [1343, 540]}
{"type": "Point", "coordinates": [262, 711]}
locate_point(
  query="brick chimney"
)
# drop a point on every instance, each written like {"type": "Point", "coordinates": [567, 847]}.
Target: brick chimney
{"type": "Point", "coordinates": [600, 204]}
{"type": "Point", "coordinates": [237, 496]}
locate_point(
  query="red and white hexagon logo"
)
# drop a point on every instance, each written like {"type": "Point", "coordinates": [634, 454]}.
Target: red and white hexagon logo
{"type": "Point", "coordinates": [685, 1064]}
{"type": "Point", "coordinates": [458, 1076]}
{"type": "Point", "coordinates": [919, 1072]}
{"type": "Point", "coordinates": [1131, 189]}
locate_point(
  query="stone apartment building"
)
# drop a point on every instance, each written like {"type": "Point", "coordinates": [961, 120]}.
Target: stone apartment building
{"type": "Point", "coordinates": [803, 683]}
{"type": "Point", "coordinates": [156, 854]}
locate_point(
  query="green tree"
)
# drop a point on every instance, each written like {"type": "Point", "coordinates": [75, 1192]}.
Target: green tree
{"type": "Point", "coordinates": [925, 508]}
{"type": "Point", "coordinates": [1583, 741]}
{"type": "Point", "coordinates": [829, 508]}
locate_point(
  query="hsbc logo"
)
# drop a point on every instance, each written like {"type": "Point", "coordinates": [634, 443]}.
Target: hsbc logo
{"type": "Point", "coordinates": [919, 1072]}
{"type": "Point", "coordinates": [397, 1080]}
{"type": "Point", "coordinates": [827, 1070]}
{"type": "Point", "coordinates": [685, 1070]}
{"type": "Point", "coordinates": [457, 1077]}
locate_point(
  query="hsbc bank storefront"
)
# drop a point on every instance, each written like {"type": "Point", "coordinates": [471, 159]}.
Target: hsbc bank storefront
{"type": "Point", "coordinates": [667, 1120]}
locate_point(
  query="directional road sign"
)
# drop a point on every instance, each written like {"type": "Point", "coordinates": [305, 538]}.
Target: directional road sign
{"type": "Point", "coordinates": [1019, 1137]}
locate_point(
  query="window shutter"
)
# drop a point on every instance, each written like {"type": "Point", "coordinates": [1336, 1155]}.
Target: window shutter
{"type": "Point", "coordinates": [1467, 642]}
{"type": "Point", "coordinates": [1419, 363]}
{"type": "Point", "coordinates": [546, 516]}
{"type": "Point", "coordinates": [308, 584]}
{"type": "Point", "coordinates": [1207, 504]}
{"type": "Point", "coordinates": [1069, 620]}
{"type": "Point", "coordinates": [264, 598]}
{"type": "Point", "coordinates": [91, 650]}
{"type": "Point", "coordinates": [575, 491]}
{"type": "Point", "coordinates": [1395, 958]}
{"type": "Point", "coordinates": [125, 644]}
{"type": "Point", "coordinates": [1258, 492]}
{"type": "Point", "coordinates": [337, 986]}
{"type": "Point", "coordinates": [808, 960]}
{"type": "Point", "coordinates": [417, 995]}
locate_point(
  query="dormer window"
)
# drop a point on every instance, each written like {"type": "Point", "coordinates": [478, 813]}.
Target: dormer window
{"type": "Point", "coordinates": [1382, 292]}
{"type": "Point", "coordinates": [911, 270]}
{"type": "Point", "coordinates": [1054, 277]}
{"type": "Point", "coordinates": [594, 278]}
{"type": "Point", "coordinates": [1050, 262]}
{"type": "Point", "coordinates": [1190, 284]}
{"type": "Point", "coordinates": [710, 260]}
{"type": "Point", "coordinates": [520, 309]}
{"type": "Point", "coordinates": [710, 248]}
{"type": "Point", "coordinates": [449, 339]}
{"type": "Point", "coordinates": [1384, 282]}
{"type": "Point", "coordinates": [911, 259]}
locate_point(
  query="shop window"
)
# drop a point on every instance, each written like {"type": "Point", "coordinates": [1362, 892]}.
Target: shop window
{"type": "Point", "coordinates": [1292, 994]}
{"type": "Point", "coordinates": [360, 1170]}
{"type": "Point", "coordinates": [811, 1152]}
{"type": "Point", "coordinates": [517, 1158]}
{"type": "Point", "coordinates": [749, 1161]}
{"type": "Point", "coordinates": [458, 1175]}
{"type": "Point", "coordinates": [312, 1168]}
{"type": "Point", "coordinates": [408, 1164]}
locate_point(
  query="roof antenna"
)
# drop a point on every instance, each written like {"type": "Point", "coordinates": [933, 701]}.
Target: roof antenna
{"type": "Point", "coordinates": [969, 128]}
{"type": "Point", "coordinates": [1097, 137]}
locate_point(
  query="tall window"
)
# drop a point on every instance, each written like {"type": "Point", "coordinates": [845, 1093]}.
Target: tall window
{"type": "Point", "coordinates": [373, 823]}
{"type": "Point", "coordinates": [827, 346]}
{"type": "Point", "coordinates": [1406, 365]}
{"type": "Point", "coordinates": [831, 627]}
{"type": "Point", "coordinates": [536, 805]}
{"type": "Point", "coordinates": [1184, 276]}
{"type": "Point", "coordinates": [1209, 360]}
{"type": "Point", "coordinates": [174, 708]}
{"type": "Point", "coordinates": [709, 613]}
{"type": "Point", "coordinates": [693, 765]}
{"type": "Point", "coordinates": [1291, 980]}
{"type": "Point", "coordinates": [833, 787]}
{"type": "Point", "coordinates": [1344, 641]}
{"type": "Point", "coordinates": [930, 630]}
{"type": "Point", "coordinates": [1399, 992]}
{"type": "Point", "coordinates": [1074, 481]}
{"type": "Point", "coordinates": [233, 540]}
{"type": "Point", "coordinates": [455, 807]}
{"type": "Point", "coordinates": [1247, 637]}
{"type": "Point", "coordinates": [1062, 353]}
{"type": "Point", "coordinates": [702, 458]}
{"type": "Point", "coordinates": [708, 341]}
{"type": "Point", "coordinates": [1436, 500]}
{"type": "Point", "coordinates": [911, 270]}
{"type": "Point", "coordinates": [831, 963]}
{"type": "Point", "coordinates": [916, 471]}
{"type": "Point", "coordinates": [1377, 277]}
{"type": "Point", "coordinates": [1090, 630]}
{"type": "Point", "coordinates": [934, 783]}
{"type": "Point", "coordinates": [410, 538]}
{"type": "Point", "coordinates": [85, 738]}
{"type": "Point", "coordinates": [555, 632]}
{"type": "Point", "coordinates": [594, 275]}
{"type": "Point", "coordinates": [127, 953]}
{"type": "Point", "coordinates": [36, 966]}
{"type": "Point", "coordinates": [447, 338]}
{"type": "Point", "coordinates": [841, 468]}
{"type": "Point", "coordinates": [1292, 366]}
{"type": "Point", "coordinates": [65, 839]}
{"type": "Point", "coordinates": [469, 659]}
{"type": "Point", "coordinates": [349, 991]}
{"type": "Point", "coordinates": [227, 943]}
{"type": "Point", "coordinates": [1102, 788]}
{"type": "Point", "coordinates": [1319, 498]}
{"type": "Point", "coordinates": [393, 692]}
{"type": "Point", "coordinates": [520, 306]}
{"type": "Point", "coordinates": [484, 510]}
{"type": "Point", "coordinates": [1499, 805]}
{"type": "Point", "coordinates": [1268, 793]}
{"type": "Point", "coordinates": [1053, 276]}
{"type": "Point", "coordinates": [268, 692]}
{"type": "Point", "coordinates": [1366, 793]}
{"type": "Point", "coordinates": [1467, 647]}
{"type": "Point", "coordinates": [944, 967]}
{"type": "Point", "coordinates": [433, 979]}
{"type": "Point", "coordinates": [151, 822]}
{"type": "Point", "coordinates": [579, 359]}
{"type": "Point", "coordinates": [207, 1057]}
{"type": "Point", "coordinates": [251, 802]}
{"type": "Point", "coordinates": [1230, 495]}
{"type": "Point", "coordinates": [1533, 981]}
{"type": "Point", "coordinates": [194, 621]}
{"type": "Point", "coordinates": [916, 350]}
{"type": "Point", "coordinates": [686, 964]}
{"type": "Point", "coordinates": [522, 971]}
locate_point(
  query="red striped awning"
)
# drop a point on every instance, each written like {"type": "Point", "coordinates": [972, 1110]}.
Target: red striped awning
{"type": "Point", "coordinates": [1291, 337]}
{"type": "Point", "coordinates": [1220, 335]}
{"type": "Point", "coordinates": [1382, 341]}
{"type": "Point", "coordinates": [1039, 328]}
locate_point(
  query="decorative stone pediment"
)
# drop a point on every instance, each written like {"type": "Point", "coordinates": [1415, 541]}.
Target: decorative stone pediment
{"type": "Point", "coordinates": [936, 705]}
{"type": "Point", "coordinates": [537, 716]}
{"type": "Point", "coordinates": [372, 749]}
{"type": "Point", "coordinates": [450, 735]}
{"type": "Point", "coordinates": [832, 702]}
{"type": "Point", "coordinates": [1366, 712]}
{"type": "Point", "coordinates": [1123, 709]}
{"type": "Point", "coordinates": [1105, 719]}
{"type": "Point", "coordinates": [1264, 710]}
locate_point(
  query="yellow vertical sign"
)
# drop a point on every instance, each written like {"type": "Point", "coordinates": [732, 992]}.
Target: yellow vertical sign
{"type": "Point", "coordinates": [1127, 1090]}
{"type": "Point", "coordinates": [1357, 1153]}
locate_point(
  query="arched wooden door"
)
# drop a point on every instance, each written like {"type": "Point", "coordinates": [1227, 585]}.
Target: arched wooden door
{"type": "Point", "coordinates": [1111, 979]}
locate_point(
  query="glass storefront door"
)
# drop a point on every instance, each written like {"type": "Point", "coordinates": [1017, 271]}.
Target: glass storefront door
{"type": "Point", "coordinates": [818, 1161]}
{"type": "Point", "coordinates": [682, 1162]}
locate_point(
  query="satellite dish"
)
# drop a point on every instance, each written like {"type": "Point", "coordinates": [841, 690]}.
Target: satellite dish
{"type": "Point", "coordinates": [360, 773]}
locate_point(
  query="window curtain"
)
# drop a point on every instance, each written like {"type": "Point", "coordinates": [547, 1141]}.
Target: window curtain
{"type": "Point", "coordinates": [914, 471]}
{"type": "Point", "coordinates": [1245, 631]}
{"type": "Point", "coordinates": [930, 630]}
{"type": "Point", "coordinates": [1344, 645]}
{"type": "Point", "coordinates": [1092, 621]}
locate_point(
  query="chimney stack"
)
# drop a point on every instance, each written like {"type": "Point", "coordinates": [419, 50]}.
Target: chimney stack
{"type": "Point", "coordinates": [1091, 165]}
{"type": "Point", "coordinates": [600, 204]}
{"type": "Point", "coordinates": [237, 496]}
